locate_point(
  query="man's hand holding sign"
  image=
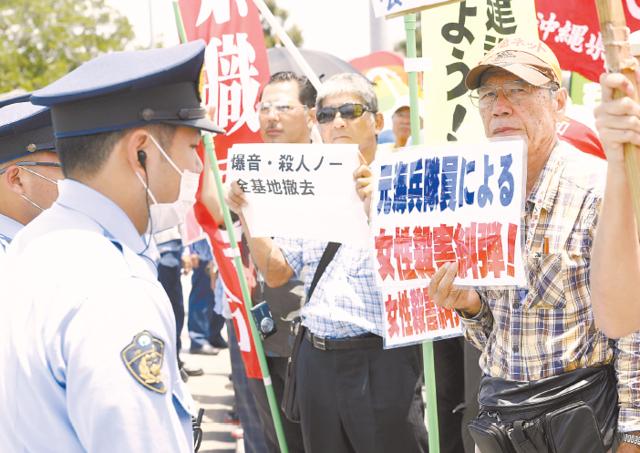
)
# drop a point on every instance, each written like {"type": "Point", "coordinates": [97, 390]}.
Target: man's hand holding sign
{"type": "Point", "coordinates": [446, 220]}
{"type": "Point", "coordinates": [287, 185]}
{"type": "Point", "coordinates": [445, 294]}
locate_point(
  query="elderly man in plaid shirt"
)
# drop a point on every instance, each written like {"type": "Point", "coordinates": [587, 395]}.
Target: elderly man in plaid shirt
{"type": "Point", "coordinates": [547, 329]}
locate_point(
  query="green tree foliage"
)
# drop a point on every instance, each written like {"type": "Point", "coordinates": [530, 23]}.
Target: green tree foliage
{"type": "Point", "coordinates": [42, 40]}
{"type": "Point", "coordinates": [270, 37]}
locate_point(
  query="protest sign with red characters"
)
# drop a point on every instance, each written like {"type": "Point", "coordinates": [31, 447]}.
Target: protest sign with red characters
{"type": "Point", "coordinates": [234, 69]}
{"type": "Point", "coordinates": [571, 29]}
{"type": "Point", "coordinates": [440, 204]}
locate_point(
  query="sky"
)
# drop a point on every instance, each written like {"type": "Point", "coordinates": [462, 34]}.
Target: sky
{"type": "Point", "coordinates": [340, 27]}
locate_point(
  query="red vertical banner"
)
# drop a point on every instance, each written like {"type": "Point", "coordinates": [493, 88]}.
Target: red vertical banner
{"type": "Point", "coordinates": [571, 29]}
{"type": "Point", "coordinates": [235, 67]}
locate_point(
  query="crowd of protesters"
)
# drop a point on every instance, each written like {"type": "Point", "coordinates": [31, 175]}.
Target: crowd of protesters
{"type": "Point", "coordinates": [91, 353]}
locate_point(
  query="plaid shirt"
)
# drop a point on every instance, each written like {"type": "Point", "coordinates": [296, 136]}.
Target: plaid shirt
{"type": "Point", "coordinates": [548, 328]}
{"type": "Point", "coordinates": [347, 299]}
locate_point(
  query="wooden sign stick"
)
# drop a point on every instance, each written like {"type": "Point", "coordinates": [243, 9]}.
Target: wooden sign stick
{"type": "Point", "coordinates": [615, 37]}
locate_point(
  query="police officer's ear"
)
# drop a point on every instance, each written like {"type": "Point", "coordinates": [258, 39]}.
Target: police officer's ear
{"type": "Point", "coordinates": [136, 143]}
{"type": "Point", "coordinates": [142, 158]}
{"type": "Point", "coordinates": [11, 180]}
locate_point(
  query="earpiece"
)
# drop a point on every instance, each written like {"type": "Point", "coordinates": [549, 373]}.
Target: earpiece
{"type": "Point", "coordinates": [142, 158]}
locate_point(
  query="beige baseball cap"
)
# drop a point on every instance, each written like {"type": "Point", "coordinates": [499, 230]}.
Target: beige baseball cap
{"type": "Point", "coordinates": [532, 61]}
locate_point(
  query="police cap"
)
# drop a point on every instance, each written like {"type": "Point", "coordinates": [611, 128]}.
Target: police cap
{"type": "Point", "coordinates": [14, 97]}
{"type": "Point", "coordinates": [24, 129]}
{"type": "Point", "coordinates": [121, 90]}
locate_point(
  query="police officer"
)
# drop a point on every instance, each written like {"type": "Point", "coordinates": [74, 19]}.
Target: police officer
{"type": "Point", "coordinates": [29, 167]}
{"type": "Point", "coordinates": [87, 336]}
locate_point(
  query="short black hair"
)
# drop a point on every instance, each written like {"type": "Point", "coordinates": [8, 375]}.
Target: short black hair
{"type": "Point", "coordinates": [86, 154]}
{"type": "Point", "coordinates": [306, 91]}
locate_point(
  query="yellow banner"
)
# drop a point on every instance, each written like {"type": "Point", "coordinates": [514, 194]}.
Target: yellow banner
{"type": "Point", "coordinates": [455, 37]}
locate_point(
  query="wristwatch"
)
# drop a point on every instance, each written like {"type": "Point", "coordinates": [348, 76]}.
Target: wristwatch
{"type": "Point", "coordinates": [630, 438]}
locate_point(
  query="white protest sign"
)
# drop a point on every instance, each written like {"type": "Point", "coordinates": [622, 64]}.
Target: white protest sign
{"type": "Point", "coordinates": [439, 204]}
{"type": "Point", "coordinates": [300, 191]}
{"type": "Point", "coordinates": [392, 8]}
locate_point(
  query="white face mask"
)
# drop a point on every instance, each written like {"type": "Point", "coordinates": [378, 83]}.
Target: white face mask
{"type": "Point", "coordinates": [169, 215]}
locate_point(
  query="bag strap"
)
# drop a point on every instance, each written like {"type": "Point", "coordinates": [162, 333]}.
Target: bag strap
{"type": "Point", "coordinates": [327, 256]}
{"type": "Point", "coordinates": [519, 439]}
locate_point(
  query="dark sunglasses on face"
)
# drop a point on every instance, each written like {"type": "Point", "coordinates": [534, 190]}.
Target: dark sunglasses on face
{"type": "Point", "coordinates": [347, 112]}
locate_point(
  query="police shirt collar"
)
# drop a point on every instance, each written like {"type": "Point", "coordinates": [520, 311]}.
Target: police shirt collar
{"type": "Point", "coordinates": [113, 220]}
{"type": "Point", "coordinates": [9, 227]}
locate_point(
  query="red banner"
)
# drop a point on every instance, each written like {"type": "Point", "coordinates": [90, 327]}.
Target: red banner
{"type": "Point", "coordinates": [227, 273]}
{"type": "Point", "coordinates": [572, 30]}
{"type": "Point", "coordinates": [235, 67]}
{"type": "Point", "coordinates": [580, 136]}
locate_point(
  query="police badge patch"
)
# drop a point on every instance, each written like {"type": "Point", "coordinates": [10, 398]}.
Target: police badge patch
{"type": "Point", "coordinates": [143, 358]}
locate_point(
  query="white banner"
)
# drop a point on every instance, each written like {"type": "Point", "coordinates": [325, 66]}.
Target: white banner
{"type": "Point", "coordinates": [439, 204]}
{"type": "Point", "coordinates": [300, 191]}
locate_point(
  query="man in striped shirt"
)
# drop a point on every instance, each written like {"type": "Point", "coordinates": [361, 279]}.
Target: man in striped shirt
{"type": "Point", "coordinates": [548, 328]}
{"type": "Point", "coordinates": [353, 394]}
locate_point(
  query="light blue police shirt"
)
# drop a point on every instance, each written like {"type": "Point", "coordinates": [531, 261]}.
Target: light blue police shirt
{"type": "Point", "coordinates": [87, 337]}
{"type": "Point", "coordinates": [8, 229]}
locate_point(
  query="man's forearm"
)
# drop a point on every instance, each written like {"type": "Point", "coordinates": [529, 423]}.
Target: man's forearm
{"type": "Point", "coordinates": [615, 264]}
{"type": "Point", "coordinates": [269, 259]}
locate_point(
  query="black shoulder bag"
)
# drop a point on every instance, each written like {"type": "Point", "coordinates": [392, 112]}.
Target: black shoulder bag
{"type": "Point", "coordinates": [575, 412]}
{"type": "Point", "coordinates": [289, 402]}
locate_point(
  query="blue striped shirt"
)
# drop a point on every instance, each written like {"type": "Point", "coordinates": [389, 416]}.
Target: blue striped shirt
{"type": "Point", "coordinates": [347, 301]}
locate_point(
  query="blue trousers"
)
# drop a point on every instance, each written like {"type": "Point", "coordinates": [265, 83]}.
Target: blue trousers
{"type": "Point", "coordinates": [254, 436]}
{"type": "Point", "coordinates": [204, 325]}
{"type": "Point", "coordinates": [169, 277]}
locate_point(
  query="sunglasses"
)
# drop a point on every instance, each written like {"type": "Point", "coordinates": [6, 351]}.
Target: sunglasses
{"type": "Point", "coordinates": [33, 164]}
{"type": "Point", "coordinates": [347, 112]}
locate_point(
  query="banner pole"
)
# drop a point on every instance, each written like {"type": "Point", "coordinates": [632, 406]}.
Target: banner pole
{"type": "Point", "coordinates": [427, 346]}
{"type": "Point", "coordinates": [618, 58]}
{"type": "Point", "coordinates": [237, 261]}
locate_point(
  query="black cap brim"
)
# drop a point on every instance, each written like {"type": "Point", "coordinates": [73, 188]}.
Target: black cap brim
{"type": "Point", "coordinates": [203, 124]}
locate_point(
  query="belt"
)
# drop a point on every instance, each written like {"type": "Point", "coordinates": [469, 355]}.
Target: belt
{"type": "Point", "coordinates": [369, 341]}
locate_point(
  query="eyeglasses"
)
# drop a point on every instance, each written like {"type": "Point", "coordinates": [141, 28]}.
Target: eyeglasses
{"type": "Point", "coordinates": [515, 91]}
{"type": "Point", "coordinates": [33, 164]}
{"type": "Point", "coordinates": [347, 112]}
{"type": "Point", "coordinates": [265, 108]}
